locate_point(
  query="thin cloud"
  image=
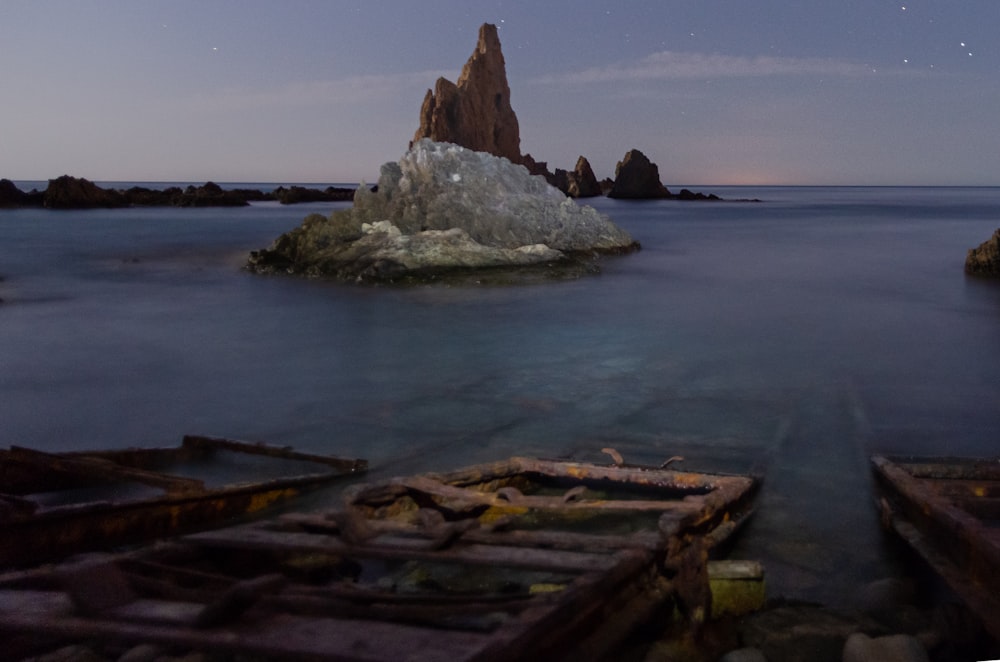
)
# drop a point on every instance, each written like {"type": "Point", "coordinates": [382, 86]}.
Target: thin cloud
{"type": "Point", "coordinates": [671, 65]}
{"type": "Point", "coordinates": [346, 91]}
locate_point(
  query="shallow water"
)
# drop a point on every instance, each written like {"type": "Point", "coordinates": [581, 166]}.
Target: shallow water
{"type": "Point", "coordinates": [796, 335]}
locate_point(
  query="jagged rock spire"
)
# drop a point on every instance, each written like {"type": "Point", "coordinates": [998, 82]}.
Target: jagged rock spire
{"type": "Point", "coordinates": [476, 112]}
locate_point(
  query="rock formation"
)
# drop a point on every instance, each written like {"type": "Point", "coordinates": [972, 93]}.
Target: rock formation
{"type": "Point", "coordinates": [10, 195]}
{"type": "Point", "coordinates": [637, 177]}
{"type": "Point", "coordinates": [579, 182]}
{"type": "Point", "coordinates": [76, 193]}
{"type": "Point", "coordinates": [443, 210]}
{"type": "Point", "coordinates": [73, 193]}
{"type": "Point", "coordinates": [476, 112]}
{"type": "Point", "coordinates": [984, 260]}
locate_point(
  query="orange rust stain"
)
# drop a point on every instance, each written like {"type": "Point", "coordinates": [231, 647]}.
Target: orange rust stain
{"type": "Point", "coordinates": [261, 501]}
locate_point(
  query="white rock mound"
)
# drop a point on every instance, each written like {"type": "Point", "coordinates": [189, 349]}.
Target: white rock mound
{"type": "Point", "coordinates": [443, 209]}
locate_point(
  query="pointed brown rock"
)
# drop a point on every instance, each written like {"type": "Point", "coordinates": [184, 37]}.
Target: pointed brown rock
{"type": "Point", "coordinates": [476, 112]}
{"type": "Point", "coordinates": [637, 177]}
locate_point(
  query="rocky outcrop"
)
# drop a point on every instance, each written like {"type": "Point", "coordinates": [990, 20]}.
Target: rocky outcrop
{"type": "Point", "coordinates": [443, 210]}
{"type": "Point", "coordinates": [297, 194]}
{"type": "Point", "coordinates": [76, 193]}
{"type": "Point", "coordinates": [210, 194]}
{"type": "Point", "coordinates": [636, 177]}
{"type": "Point", "coordinates": [476, 112]}
{"type": "Point", "coordinates": [577, 183]}
{"type": "Point", "coordinates": [72, 193]}
{"type": "Point", "coordinates": [10, 195]}
{"type": "Point", "coordinates": [984, 260]}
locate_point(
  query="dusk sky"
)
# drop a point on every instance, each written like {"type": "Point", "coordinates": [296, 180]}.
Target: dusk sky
{"type": "Point", "coordinates": [713, 91]}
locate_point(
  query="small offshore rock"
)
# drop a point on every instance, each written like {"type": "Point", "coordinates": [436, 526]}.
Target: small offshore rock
{"type": "Point", "coordinates": [77, 193]}
{"type": "Point", "coordinates": [984, 260]}
{"type": "Point", "coordinates": [636, 177]}
{"type": "Point", "coordinates": [895, 648]}
{"type": "Point", "coordinates": [10, 195]}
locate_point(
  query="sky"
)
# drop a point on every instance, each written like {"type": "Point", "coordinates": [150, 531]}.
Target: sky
{"type": "Point", "coordinates": [855, 92]}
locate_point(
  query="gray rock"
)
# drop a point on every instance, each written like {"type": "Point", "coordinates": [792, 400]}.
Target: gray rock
{"type": "Point", "coordinates": [442, 208]}
{"type": "Point", "coordinates": [896, 648]}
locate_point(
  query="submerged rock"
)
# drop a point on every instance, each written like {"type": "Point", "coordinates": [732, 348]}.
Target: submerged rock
{"type": "Point", "coordinates": [440, 210]}
{"type": "Point", "coordinates": [984, 260]}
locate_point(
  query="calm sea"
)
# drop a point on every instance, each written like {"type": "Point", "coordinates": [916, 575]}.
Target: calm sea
{"type": "Point", "coordinates": [795, 335]}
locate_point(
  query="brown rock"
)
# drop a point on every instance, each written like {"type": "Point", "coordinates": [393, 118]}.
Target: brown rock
{"type": "Point", "coordinates": [636, 177]}
{"type": "Point", "coordinates": [582, 181]}
{"type": "Point", "coordinates": [984, 260]}
{"type": "Point", "coordinates": [476, 112]}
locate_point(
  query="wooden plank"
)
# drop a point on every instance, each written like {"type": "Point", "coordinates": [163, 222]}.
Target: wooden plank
{"type": "Point", "coordinates": [569, 540]}
{"type": "Point", "coordinates": [392, 547]}
{"type": "Point", "coordinates": [281, 636]}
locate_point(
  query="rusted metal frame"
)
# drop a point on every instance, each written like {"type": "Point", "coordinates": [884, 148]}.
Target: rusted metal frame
{"type": "Point", "coordinates": [461, 495]}
{"type": "Point", "coordinates": [270, 450]}
{"type": "Point", "coordinates": [954, 543]}
{"type": "Point", "coordinates": [642, 476]}
{"type": "Point", "coordinates": [949, 467]}
{"type": "Point", "coordinates": [533, 626]}
{"type": "Point", "coordinates": [106, 470]}
{"type": "Point", "coordinates": [549, 634]}
{"type": "Point", "coordinates": [981, 599]}
{"type": "Point", "coordinates": [50, 534]}
{"type": "Point", "coordinates": [942, 517]}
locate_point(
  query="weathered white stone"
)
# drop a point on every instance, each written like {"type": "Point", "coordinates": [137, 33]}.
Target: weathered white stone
{"type": "Point", "coordinates": [444, 207]}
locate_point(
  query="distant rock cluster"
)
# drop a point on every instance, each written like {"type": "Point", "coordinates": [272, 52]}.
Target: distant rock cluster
{"type": "Point", "coordinates": [76, 193]}
{"type": "Point", "coordinates": [476, 113]}
{"type": "Point", "coordinates": [984, 260]}
{"type": "Point", "coordinates": [443, 212]}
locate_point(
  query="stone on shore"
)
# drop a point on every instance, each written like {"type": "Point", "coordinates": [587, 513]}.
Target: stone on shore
{"type": "Point", "coordinates": [984, 260]}
{"type": "Point", "coordinates": [439, 210]}
{"type": "Point", "coordinates": [636, 177]}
